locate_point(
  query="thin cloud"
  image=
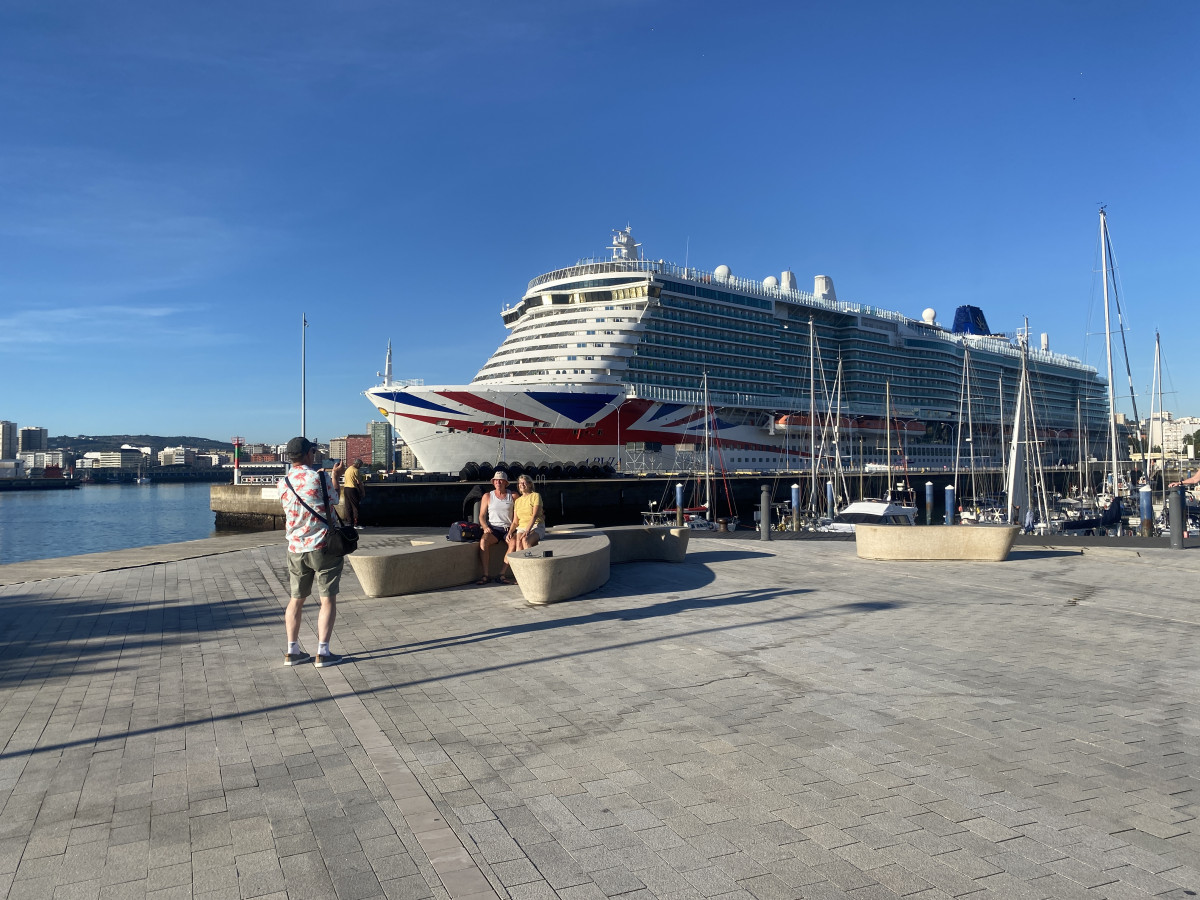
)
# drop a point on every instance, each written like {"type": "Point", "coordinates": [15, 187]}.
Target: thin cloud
{"type": "Point", "coordinates": [81, 226]}
{"type": "Point", "coordinates": [42, 331]}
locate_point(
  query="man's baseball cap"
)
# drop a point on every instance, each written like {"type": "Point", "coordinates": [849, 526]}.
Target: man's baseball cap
{"type": "Point", "coordinates": [298, 446]}
{"type": "Point", "coordinates": [500, 475]}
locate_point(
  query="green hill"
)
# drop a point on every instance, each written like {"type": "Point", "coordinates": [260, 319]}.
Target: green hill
{"type": "Point", "coordinates": [87, 443]}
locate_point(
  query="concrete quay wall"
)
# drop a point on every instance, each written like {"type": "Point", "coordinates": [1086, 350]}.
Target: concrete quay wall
{"type": "Point", "coordinates": [610, 501]}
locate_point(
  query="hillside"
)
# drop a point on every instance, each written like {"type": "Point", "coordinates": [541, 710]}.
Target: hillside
{"type": "Point", "coordinates": [86, 443]}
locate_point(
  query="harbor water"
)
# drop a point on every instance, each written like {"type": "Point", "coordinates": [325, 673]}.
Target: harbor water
{"type": "Point", "coordinates": [95, 518]}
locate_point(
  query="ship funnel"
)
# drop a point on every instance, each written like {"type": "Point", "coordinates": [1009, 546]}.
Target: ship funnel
{"type": "Point", "coordinates": [787, 281]}
{"type": "Point", "coordinates": [823, 288]}
{"type": "Point", "coordinates": [1045, 342]}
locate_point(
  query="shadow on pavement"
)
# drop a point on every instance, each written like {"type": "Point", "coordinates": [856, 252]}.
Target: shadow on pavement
{"type": "Point", "coordinates": [715, 556]}
{"type": "Point", "coordinates": [1041, 554]}
{"type": "Point", "coordinates": [667, 608]}
{"type": "Point", "coordinates": [49, 637]}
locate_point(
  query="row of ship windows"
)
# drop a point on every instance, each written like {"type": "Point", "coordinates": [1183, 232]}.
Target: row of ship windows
{"type": "Point", "coordinates": [721, 317]}
{"type": "Point", "coordinates": [715, 332]}
{"type": "Point", "coordinates": [527, 347]}
{"type": "Point", "coordinates": [693, 383]}
{"type": "Point", "coordinates": [545, 353]}
{"type": "Point", "coordinates": [531, 341]}
{"type": "Point", "coordinates": [532, 315]}
{"type": "Point", "coordinates": [692, 378]}
{"type": "Point", "coordinates": [533, 373]}
{"type": "Point", "coordinates": [712, 356]}
{"type": "Point", "coordinates": [569, 320]}
{"type": "Point", "coordinates": [723, 296]}
{"type": "Point", "coordinates": [506, 368]}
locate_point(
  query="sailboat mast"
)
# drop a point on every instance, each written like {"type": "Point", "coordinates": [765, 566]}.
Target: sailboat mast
{"type": "Point", "coordinates": [970, 424]}
{"type": "Point", "coordinates": [707, 454]}
{"type": "Point", "coordinates": [1079, 443]}
{"type": "Point", "coordinates": [962, 394]}
{"type": "Point", "coordinates": [1112, 409]}
{"type": "Point", "coordinates": [812, 413]}
{"type": "Point", "coordinates": [1162, 443]}
{"type": "Point", "coordinates": [1003, 455]}
{"type": "Point", "coordinates": [837, 423]}
{"type": "Point", "coordinates": [888, 428]}
{"type": "Point", "coordinates": [1017, 485]}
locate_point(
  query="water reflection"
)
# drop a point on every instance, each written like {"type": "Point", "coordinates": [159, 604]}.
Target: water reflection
{"type": "Point", "coordinates": [94, 518]}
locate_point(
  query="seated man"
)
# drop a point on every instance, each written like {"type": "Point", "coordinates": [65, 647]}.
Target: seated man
{"type": "Point", "coordinates": [496, 516]}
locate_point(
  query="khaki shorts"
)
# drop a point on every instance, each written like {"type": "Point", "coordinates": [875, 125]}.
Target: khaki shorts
{"type": "Point", "coordinates": [303, 567]}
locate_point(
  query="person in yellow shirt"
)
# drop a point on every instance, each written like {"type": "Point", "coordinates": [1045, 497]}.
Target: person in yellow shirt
{"type": "Point", "coordinates": [353, 488]}
{"type": "Point", "coordinates": [529, 518]}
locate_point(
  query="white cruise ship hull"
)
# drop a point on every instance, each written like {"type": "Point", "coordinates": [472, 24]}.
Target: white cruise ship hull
{"type": "Point", "coordinates": [450, 427]}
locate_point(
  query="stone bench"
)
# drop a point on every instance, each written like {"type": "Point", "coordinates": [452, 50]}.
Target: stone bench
{"type": "Point", "coordinates": [423, 566]}
{"type": "Point", "coordinates": [635, 543]}
{"type": "Point", "coordinates": [581, 556]}
{"type": "Point", "coordinates": [579, 564]}
{"type": "Point", "coordinates": [976, 543]}
{"type": "Point", "coordinates": [579, 561]}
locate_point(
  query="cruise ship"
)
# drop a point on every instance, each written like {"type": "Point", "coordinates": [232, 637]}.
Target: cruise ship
{"type": "Point", "coordinates": [629, 364]}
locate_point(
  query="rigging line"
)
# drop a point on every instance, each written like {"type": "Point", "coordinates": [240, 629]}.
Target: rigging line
{"type": "Point", "coordinates": [1121, 324]}
{"type": "Point", "coordinates": [958, 437]}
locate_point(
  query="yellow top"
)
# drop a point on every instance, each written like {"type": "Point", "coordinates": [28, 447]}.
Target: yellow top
{"type": "Point", "coordinates": [352, 478]}
{"type": "Point", "coordinates": [523, 511]}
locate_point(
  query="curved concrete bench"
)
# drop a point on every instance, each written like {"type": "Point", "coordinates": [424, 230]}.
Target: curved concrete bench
{"type": "Point", "coordinates": [579, 564]}
{"type": "Point", "coordinates": [425, 566]}
{"type": "Point", "coordinates": [979, 543]}
{"type": "Point", "coordinates": [634, 543]}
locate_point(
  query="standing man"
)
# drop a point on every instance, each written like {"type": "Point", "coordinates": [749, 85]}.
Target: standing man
{"type": "Point", "coordinates": [303, 491]}
{"type": "Point", "coordinates": [352, 483]}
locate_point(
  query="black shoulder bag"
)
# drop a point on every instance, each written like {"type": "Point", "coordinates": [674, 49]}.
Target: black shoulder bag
{"type": "Point", "coordinates": [343, 539]}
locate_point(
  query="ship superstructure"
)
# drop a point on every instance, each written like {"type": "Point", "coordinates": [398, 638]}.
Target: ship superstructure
{"type": "Point", "coordinates": [604, 363]}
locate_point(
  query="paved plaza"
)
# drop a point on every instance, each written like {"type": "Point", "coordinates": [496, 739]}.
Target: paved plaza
{"type": "Point", "coordinates": [766, 720]}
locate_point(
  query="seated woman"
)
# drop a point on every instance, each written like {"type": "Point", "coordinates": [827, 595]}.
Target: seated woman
{"type": "Point", "coordinates": [529, 518]}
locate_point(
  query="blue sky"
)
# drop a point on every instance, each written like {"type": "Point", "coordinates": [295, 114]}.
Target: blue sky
{"type": "Point", "coordinates": [179, 182]}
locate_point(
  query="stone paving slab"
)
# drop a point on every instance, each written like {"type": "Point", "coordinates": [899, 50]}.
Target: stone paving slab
{"type": "Point", "coordinates": [764, 720]}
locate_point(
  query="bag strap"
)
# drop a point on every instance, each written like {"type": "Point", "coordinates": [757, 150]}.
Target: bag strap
{"type": "Point", "coordinates": [316, 514]}
{"type": "Point", "coordinates": [333, 516]}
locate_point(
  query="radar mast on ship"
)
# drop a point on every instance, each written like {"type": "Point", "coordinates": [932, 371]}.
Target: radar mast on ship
{"type": "Point", "coordinates": [623, 246]}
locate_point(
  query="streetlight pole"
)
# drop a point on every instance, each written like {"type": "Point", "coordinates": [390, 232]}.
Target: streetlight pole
{"type": "Point", "coordinates": [303, 375]}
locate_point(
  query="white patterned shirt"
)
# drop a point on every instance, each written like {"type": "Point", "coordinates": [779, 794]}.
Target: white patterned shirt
{"type": "Point", "coordinates": [305, 531]}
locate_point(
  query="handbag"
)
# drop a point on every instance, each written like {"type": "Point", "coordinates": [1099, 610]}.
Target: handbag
{"type": "Point", "coordinates": [465, 531]}
{"type": "Point", "coordinates": [342, 539]}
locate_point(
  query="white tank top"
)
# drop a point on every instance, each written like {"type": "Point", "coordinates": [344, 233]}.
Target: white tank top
{"type": "Point", "coordinates": [500, 509]}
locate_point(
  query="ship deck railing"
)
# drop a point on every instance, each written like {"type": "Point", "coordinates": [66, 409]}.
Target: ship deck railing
{"type": "Point", "coordinates": [997, 344]}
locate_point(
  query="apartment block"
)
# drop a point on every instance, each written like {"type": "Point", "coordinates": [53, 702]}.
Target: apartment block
{"type": "Point", "coordinates": [381, 439]}
{"type": "Point", "coordinates": [32, 439]}
{"type": "Point", "coordinates": [8, 439]}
